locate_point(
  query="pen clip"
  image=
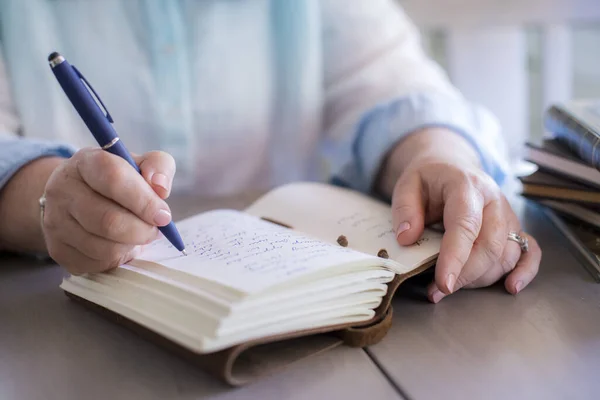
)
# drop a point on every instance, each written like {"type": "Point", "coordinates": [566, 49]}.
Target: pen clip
{"type": "Point", "coordinates": [80, 75]}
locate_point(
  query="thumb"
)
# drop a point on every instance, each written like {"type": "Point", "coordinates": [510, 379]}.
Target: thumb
{"type": "Point", "coordinates": [158, 169]}
{"type": "Point", "coordinates": [408, 209]}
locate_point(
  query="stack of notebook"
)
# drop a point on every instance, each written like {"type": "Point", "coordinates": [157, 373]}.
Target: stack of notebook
{"type": "Point", "coordinates": [567, 180]}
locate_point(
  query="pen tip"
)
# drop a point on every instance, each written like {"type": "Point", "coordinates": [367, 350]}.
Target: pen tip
{"type": "Point", "coordinates": [184, 252]}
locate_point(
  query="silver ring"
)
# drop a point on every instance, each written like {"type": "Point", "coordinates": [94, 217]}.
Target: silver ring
{"type": "Point", "coordinates": [520, 239]}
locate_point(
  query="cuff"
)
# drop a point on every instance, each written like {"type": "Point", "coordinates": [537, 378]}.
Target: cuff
{"type": "Point", "coordinates": [18, 152]}
{"type": "Point", "coordinates": [381, 128]}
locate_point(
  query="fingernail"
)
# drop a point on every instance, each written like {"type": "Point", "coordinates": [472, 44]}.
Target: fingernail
{"type": "Point", "coordinates": [437, 296]}
{"type": "Point", "coordinates": [450, 282]}
{"type": "Point", "coordinates": [162, 218]}
{"type": "Point", "coordinates": [518, 286]}
{"type": "Point", "coordinates": [160, 180]}
{"type": "Point", "coordinates": [402, 228]}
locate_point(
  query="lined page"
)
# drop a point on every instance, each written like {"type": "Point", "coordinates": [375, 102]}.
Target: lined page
{"type": "Point", "coordinates": [328, 212]}
{"type": "Point", "coordinates": [246, 253]}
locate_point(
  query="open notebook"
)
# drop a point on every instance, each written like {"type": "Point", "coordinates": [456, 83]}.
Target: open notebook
{"type": "Point", "coordinates": [306, 261]}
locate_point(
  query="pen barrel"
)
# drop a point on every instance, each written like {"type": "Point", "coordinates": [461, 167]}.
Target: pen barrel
{"type": "Point", "coordinates": [88, 108]}
{"type": "Point", "coordinates": [92, 112]}
{"type": "Point", "coordinates": [170, 232]}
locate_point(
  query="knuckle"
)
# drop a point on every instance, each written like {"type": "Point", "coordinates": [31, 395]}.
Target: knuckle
{"type": "Point", "coordinates": [100, 159]}
{"type": "Point", "coordinates": [468, 227]}
{"type": "Point", "coordinates": [83, 158]}
{"type": "Point", "coordinates": [467, 196]}
{"type": "Point", "coordinates": [458, 260]}
{"type": "Point", "coordinates": [476, 179]}
{"type": "Point", "coordinates": [508, 263]}
{"type": "Point", "coordinates": [149, 208]}
{"type": "Point", "coordinates": [494, 248]}
{"type": "Point", "coordinates": [404, 209]}
{"type": "Point", "coordinates": [81, 155]}
{"type": "Point", "coordinates": [479, 179]}
{"type": "Point", "coordinates": [404, 179]}
{"type": "Point", "coordinates": [112, 223]}
{"type": "Point", "coordinates": [105, 168]}
{"type": "Point", "coordinates": [465, 175]}
{"type": "Point", "coordinates": [461, 282]}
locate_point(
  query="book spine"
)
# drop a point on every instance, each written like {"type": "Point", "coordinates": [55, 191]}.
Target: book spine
{"type": "Point", "coordinates": [583, 141]}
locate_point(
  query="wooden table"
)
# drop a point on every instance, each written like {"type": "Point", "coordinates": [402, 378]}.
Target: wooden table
{"type": "Point", "coordinates": [51, 348]}
{"type": "Point", "coordinates": [487, 344]}
{"type": "Point", "coordinates": [543, 343]}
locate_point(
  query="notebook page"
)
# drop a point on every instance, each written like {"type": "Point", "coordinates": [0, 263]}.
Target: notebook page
{"type": "Point", "coordinates": [328, 212]}
{"type": "Point", "coordinates": [245, 253]}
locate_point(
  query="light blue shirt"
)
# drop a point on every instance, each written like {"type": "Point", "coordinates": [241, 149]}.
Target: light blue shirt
{"type": "Point", "coordinates": [244, 94]}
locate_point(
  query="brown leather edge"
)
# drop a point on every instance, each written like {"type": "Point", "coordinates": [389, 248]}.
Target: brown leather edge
{"type": "Point", "coordinates": [222, 364]}
{"type": "Point", "coordinates": [371, 332]}
{"type": "Point", "coordinates": [370, 335]}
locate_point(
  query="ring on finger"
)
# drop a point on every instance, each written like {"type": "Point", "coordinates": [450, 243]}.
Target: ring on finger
{"type": "Point", "coordinates": [520, 239]}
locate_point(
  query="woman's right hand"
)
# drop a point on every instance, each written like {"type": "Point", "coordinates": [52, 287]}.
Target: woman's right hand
{"type": "Point", "coordinates": [100, 211]}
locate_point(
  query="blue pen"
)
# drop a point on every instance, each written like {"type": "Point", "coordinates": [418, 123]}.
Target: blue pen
{"type": "Point", "coordinates": [99, 122]}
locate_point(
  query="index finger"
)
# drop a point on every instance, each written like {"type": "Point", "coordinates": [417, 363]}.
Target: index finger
{"type": "Point", "coordinates": [463, 211]}
{"type": "Point", "coordinates": [113, 178]}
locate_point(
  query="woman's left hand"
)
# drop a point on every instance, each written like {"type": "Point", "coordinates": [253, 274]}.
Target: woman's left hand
{"type": "Point", "coordinates": [477, 218]}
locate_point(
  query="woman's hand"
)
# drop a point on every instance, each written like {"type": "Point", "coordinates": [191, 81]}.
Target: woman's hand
{"type": "Point", "coordinates": [445, 183]}
{"type": "Point", "coordinates": [99, 211]}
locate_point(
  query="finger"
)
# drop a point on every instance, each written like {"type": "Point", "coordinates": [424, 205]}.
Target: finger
{"type": "Point", "coordinates": [508, 261]}
{"type": "Point", "coordinates": [158, 169]}
{"type": "Point", "coordinates": [510, 255]}
{"type": "Point", "coordinates": [102, 217]}
{"type": "Point", "coordinates": [434, 294]}
{"type": "Point", "coordinates": [462, 220]}
{"type": "Point", "coordinates": [408, 209]}
{"type": "Point", "coordinates": [113, 178]}
{"type": "Point", "coordinates": [526, 269]}
{"type": "Point", "coordinates": [78, 263]}
{"type": "Point", "coordinates": [489, 246]}
{"type": "Point", "coordinates": [92, 246]}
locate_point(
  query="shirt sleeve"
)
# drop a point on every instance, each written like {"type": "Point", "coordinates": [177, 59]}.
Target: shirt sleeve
{"type": "Point", "coordinates": [15, 151]}
{"type": "Point", "coordinates": [380, 86]}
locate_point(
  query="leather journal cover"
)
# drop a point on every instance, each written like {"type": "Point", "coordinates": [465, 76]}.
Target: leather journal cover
{"type": "Point", "coordinates": [247, 362]}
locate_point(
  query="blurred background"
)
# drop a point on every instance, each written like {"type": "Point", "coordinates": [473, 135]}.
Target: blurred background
{"type": "Point", "coordinates": [515, 56]}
